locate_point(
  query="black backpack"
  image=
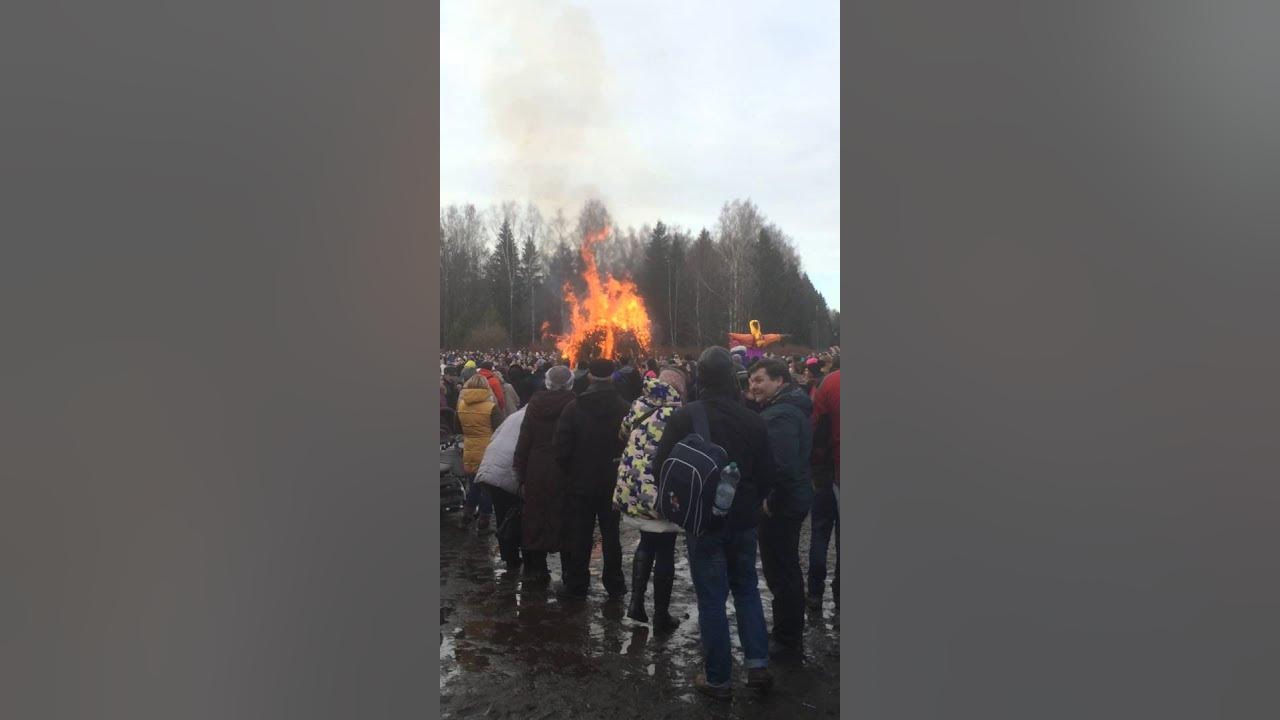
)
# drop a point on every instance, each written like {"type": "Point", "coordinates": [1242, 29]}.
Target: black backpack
{"type": "Point", "coordinates": [688, 478]}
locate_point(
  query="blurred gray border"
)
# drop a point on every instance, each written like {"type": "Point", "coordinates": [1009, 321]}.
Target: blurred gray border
{"type": "Point", "coordinates": [218, 322]}
{"type": "Point", "coordinates": [1059, 295]}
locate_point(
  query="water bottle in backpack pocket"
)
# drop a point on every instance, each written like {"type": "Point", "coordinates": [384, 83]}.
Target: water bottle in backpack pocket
{"type": "Point", "coordinates": [726, 489]}
{"type": "Point", "coordinates": [690, 477]}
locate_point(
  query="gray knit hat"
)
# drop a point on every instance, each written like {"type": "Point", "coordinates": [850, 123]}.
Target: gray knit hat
{"type": "Point", "coordinates": [559, 378]}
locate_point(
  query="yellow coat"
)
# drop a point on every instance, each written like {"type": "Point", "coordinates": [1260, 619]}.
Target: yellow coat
{"type": "Point", "coordinates": [475, 412]}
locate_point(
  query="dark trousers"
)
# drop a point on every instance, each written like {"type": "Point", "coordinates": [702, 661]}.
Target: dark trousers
{"type": "Point", "coordinates": [477, 495]}
{"type": "Point", "coordinates": [824, 518]}
{"type": "Point", "coordinates": [780, 556]}
{"type": "Point", "coordinates": [504, 502]}
{"type": "Point", "coordinates": [581, 514]}
{"type": "Point", "coordinates": [535, 562]}
{"type": "Point", "coordinates": [662, 546]}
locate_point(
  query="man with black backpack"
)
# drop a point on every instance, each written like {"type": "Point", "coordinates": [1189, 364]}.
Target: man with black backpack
{"type": "Point", "coordinates": [723, 558]}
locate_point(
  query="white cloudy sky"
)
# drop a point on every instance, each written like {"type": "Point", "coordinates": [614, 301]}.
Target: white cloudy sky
{"type": "Point", "coordinates": [665, 110]}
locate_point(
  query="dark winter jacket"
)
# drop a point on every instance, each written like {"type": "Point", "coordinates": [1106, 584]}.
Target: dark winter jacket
{"type": "Point", "coordinates": [587, 445]}
{"type": "Point", "coordinates": [733, 427]}
{"type": "Point", "coordinates": [520, 380]}
{"type": "Point", "coordinates": [630, 383]}
{"type": "Point", "coordinates": [536, 468]}
{"type": "Point", "coordinates": [453, 388]}
{"type": "Point", "coordinates": [791, 440]}
{"type": "Point", "coordinates": [538, 382]}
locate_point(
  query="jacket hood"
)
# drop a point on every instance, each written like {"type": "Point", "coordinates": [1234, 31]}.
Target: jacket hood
{"type": "Point", "coordinates": [793, 395]}
{"type": "Point", "coordinates": [475, 396]}
{"type": "Point", "coordinates": [548, 404]}
{"type": "Point", "coordinates": [660, 393]}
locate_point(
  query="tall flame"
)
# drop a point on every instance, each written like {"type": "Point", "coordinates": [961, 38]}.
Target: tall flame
{"type": "Point", "coordinates": [611, 308]}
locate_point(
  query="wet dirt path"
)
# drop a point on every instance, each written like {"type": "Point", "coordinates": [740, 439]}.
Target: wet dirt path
{"type": "Point", "coordinates": [511, 651]}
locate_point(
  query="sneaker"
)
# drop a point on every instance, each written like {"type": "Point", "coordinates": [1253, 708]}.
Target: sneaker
{"type": "Point", "coordinates": [719, 693]}
{"type": "Point", "coordinates": [759, 678]}
{"type": "Point", "coordinates": [482, 524]}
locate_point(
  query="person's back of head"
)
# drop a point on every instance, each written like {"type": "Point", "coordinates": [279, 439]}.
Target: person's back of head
{"type": "Point", "coordinates": [600, 370]}
{"type": "Point", "coordinates": [716, 371]}
{"type": "Point", "coordinates": [675, 377]}
{"type": "Point", "coordinates": [559, 377]}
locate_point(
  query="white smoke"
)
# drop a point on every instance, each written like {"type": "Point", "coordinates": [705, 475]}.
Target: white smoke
{"type": "Point", "coordinates": [545, 77]}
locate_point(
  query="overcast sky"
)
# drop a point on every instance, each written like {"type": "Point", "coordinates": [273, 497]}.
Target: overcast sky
{"type": "Point", "coordinates": [664, 110]}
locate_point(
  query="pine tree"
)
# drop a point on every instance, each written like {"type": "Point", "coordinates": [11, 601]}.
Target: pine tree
{"type": "Point", "coordinates": [675, 276]}
{"type": "Point", "coordinates": [655, 272]}
{"type": "Point", "coordinates": [531, 276]}
{"type": "Point", "coordinates": [773, 285]}
{"type": "Point", "coordinates": [698, 269]}
{"type": "Point", "coordinates": [503, 272]}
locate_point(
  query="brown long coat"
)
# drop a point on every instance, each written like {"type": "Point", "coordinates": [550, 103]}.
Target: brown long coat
{"type": "Point", "coordinates": [535, 465]}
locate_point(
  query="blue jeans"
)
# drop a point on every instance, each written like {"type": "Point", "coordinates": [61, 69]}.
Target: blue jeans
{"type": "Point", "coordinates": [721, 562]}
{"type": "Point", "coordinates": [825, 517]}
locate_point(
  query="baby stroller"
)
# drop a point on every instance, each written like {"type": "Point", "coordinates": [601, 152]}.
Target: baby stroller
{"type": "Point", "coordinates": [452, 491]}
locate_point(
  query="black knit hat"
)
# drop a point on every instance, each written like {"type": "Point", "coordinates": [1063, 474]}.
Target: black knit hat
{"type": "Point", "coordinates": [716, 369]}
{"type": "Point", "coordinates": [601, 368]}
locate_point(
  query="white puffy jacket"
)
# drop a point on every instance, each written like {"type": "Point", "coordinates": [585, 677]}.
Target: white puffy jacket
{"type": "Point", "coordinates": [495, 466]}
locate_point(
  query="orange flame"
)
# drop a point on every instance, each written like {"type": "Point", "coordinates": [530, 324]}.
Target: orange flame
{"type": "Point", "coordinates": [610, 308]}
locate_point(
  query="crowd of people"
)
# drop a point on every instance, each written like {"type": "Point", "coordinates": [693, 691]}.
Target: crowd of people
{"type": "Point", "coordinates": [553, 452]}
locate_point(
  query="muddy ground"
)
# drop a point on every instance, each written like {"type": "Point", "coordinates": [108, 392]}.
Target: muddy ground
{"type": "Point", "coordinates": [514, 652]}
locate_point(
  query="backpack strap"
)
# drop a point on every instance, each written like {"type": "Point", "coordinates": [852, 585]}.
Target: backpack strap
{"type": "Point", "coordinates": [640, 420]}
{"type": "Point", "coordinates": [699, 412]}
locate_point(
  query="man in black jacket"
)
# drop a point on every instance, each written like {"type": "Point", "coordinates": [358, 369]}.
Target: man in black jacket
{"type": "Point", "coordinates": [723, 559]}
{"type": "Point", "coordinates": [588, 448]}
{"type": "Point", "coordinates": [786, 411]}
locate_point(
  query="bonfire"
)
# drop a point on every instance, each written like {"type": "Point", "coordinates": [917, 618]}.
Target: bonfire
{"type": "Point", "coordinates": [610, 313]}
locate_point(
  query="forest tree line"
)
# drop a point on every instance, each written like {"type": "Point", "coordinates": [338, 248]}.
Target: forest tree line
{"type": "Point", "coordinates": [503, 271]}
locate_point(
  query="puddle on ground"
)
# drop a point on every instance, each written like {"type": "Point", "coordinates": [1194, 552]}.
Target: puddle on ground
{"type": "Point", "coordinates": [586, 659]}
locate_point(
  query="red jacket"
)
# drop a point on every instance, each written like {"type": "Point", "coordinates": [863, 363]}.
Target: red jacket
{"type": "Point", "coordinates": [826, 419]}
{"type": "Point", "coordinates": [494, 385]}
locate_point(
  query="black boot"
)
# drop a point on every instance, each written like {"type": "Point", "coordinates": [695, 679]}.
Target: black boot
{"type": "Point", "coordinates": [663, 620]}
{"type": "Point", "coordinates": [641, 566]}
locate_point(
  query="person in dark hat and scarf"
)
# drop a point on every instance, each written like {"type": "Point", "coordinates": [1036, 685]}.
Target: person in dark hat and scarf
{"type": "Point", "coordinates": [588, 449]}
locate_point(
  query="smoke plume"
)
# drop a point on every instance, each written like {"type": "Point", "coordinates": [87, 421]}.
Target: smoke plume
{"type": "Point", "coordinates": [548, 87]}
